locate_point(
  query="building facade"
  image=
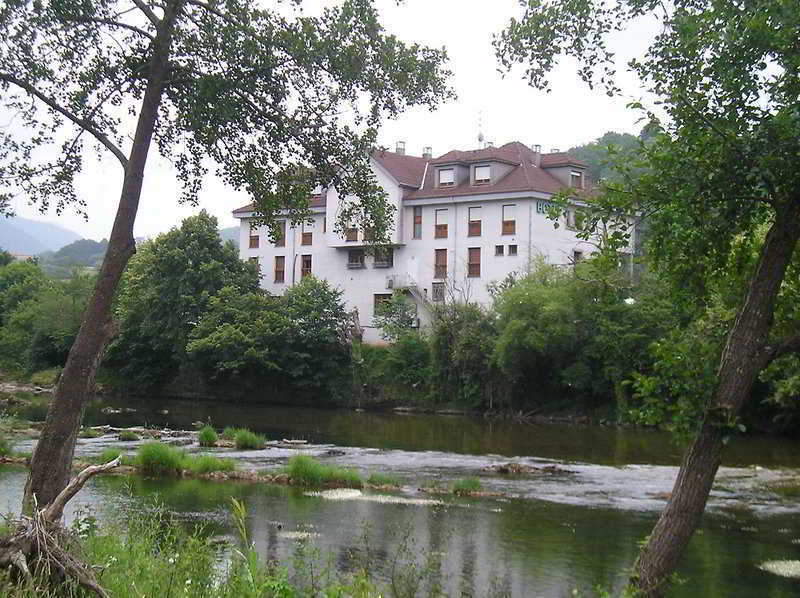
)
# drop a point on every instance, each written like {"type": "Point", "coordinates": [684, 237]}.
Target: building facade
{"type": "Point", "coordinates": [463, 221]}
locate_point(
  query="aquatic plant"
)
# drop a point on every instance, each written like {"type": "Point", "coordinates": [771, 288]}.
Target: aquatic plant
{"type": "Point", "coordinates": [206, 436]}
{"type": "Point", "coordinates": [158, 459]}
{"type": "Point", "coordinates": [466, 486]}
{"type": "Point", "coordinates": [229, 433]}
{"type": "Point", "coordinates": [128, 436]}
{"type": "Point", "coordinates": [90, 433]}
{"type": "Point", "coordinates": [383, 479]}
{"type": "Point", "coordinates": [200, 464]}
{"type": "Point", "coordinates": [247, 440]}
{"type": "Point", "coordinates": [307, 471]}
{"type": "Point", "coordinates": [5, 446]}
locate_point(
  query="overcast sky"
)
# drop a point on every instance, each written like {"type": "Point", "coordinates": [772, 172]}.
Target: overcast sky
{"type": "Point", "coordinates": [511, 111]}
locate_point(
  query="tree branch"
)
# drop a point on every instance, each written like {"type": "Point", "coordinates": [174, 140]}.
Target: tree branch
{"type": "Point", "coordinates": [55, 509]}
{"type": "Point", "coordinates": [784, 346]}
{"type": "Point", "coordinates": [114, 23]}
{"type": "Point", "coordinates": [214, 11]}
{"type": "Point", "coordinates": [148, 12]}
{"type": "Point", "coordinates": [83, 123]}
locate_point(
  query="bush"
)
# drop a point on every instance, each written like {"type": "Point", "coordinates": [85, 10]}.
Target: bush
{"type": "Point", "coordinates": [383, 479]}
{"type": "Point", "coordinates": [466, 486]}
{"type": "Point", "coordinates": [90, 433]}
{"type": "Point", "coordinates": [128, 436]}
{"type": "Point", "coordinates": [157, 459]}
{"type": "Point", "coordinates": [306, 470]}
{"type": "Point", "coordinates": [207, 436]}
{"type": "Point", "coordinates": [247, 440]}
{"type": "Point", "coordinates": [45, 377]}
{"type": "Point", "coordinates": [229, 433]}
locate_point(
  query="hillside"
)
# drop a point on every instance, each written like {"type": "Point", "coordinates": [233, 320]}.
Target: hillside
{"type": "Point", "coordinates": [83, 254]}
{"type": "Point", "coordinates": [31, 237]}
{"type": "Point", "coordinates": [230, 234]}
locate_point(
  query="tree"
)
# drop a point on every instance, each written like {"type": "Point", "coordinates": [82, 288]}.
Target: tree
{"type": "Point", "coordinates": [722, 167]}
{"type": "Point", "coordinates": [281, 102]}
{"type": "Point", "coordinates": [165, 290]}
{"type": "Point", "coordinates": [5, 258]}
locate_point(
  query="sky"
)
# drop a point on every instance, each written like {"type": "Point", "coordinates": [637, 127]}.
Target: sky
{"type": "Point", "coordinates": [502, 108]}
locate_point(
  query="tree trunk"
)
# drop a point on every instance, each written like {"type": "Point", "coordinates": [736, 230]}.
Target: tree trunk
{"type": "Point", "coordinates": [746, 353]}
{"type": "Point", "coordinates": [52, 459]}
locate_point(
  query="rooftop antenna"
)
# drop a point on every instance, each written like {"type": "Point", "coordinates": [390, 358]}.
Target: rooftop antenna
{"type": "Point", "coordinates": [480, 129]}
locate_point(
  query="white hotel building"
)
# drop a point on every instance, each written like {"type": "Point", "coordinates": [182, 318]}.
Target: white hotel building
{"type": "Point", "coordinates": [463, 220]}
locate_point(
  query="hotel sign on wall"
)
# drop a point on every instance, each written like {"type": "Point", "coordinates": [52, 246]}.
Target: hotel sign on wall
{"type": "Point", "coordinates": [543, 207]}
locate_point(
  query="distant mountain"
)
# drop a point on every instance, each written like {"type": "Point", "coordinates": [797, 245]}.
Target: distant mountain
{"type": "Point", "coordinates": [230, 234]}
{"type": "Point", "coordinates": [31, 237]}
{"type": "Point", "coordinates": [85, 255]}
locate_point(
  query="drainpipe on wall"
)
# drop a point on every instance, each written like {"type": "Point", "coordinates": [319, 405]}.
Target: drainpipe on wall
{"type": "Point", "coordinates": [530, 234]}
{"type": "Point", "coordinates": [294, 255]}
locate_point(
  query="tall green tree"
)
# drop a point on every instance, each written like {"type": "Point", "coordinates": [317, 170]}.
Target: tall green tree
{"type": "Point", "coordinates": [281, 102]}
{"type": "Point", "coordinates": [165, 290]}
{"type": "Point", "coordinates": [722, 168]}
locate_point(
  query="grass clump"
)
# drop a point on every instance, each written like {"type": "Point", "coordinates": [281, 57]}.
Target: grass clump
{"type": "Point", "coordinates": [158, 459]}
{"type": "Point", "coordinates": [247, 440]}
{"type": "Point", "coordinates": [200, 464]}
{"type": "Point", "coordinates": [45, 377]}
{"type": "Point", "coordinates": [466, 486]}
{"type": "Point", "coordinates": [5, 446]}
{"type": "Point", "coordinates": [383, 479]}
{"type": "Point", "coordinates": [206, 436]}
{"type": "Point", "coordinates": [229, 433]}
{"type": "Point", "coordinates": [128, 436]}
{"type": "Point", "coordinates": [90, 433]}
{"type": "Point", "coordinates": [305, 470]}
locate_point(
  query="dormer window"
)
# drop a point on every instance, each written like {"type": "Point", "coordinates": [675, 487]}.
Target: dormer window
{"type": "Point", "coordinates": [482, 175]}
{"type": "Point", "coordinates": [447, 177]}
{"type": "Point", "coordinates": [576, 179]}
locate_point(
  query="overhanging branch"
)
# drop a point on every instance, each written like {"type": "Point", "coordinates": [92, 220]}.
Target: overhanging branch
{"type": "Point", "coordinates": [81, 122]}
{"type": "Point", "coordinates": [148, 12]}
{"type": "Point", "coordinates": [781, 347]}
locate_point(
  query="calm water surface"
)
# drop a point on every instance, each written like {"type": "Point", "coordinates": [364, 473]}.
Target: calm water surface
{"type": "Point", "coordinates": [555, 534]}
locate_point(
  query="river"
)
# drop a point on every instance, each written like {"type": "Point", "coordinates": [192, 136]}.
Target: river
{"type": "Point", "coordinates": [552, 536]}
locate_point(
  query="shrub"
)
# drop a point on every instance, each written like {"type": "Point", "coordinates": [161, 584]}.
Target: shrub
{"type": "Point", "coordinates": [306, 470]}
{"type": "Point", "coordinates": [247, 440]}
{"type": "Point", "coordinates": [207, 436]}
{"type": "Point", "coordinates": [128, 436]}
{"type": "Point", "coordinates": [110, 454]}
{"type": "Point", "coordinates": [466, 486]}
{"type": "Point", "coordinates": [155, 458]}
{"type": "Point", "coordinates": [383, 479]}
{"type": "Point", "coordinates": [90, 433]}
{"type": "Point", "coordinates": [45, 377]}
{"type": "Point", "coordinates": [199, 464]}
{"type": "Point", "coordinates": [229, 433]}
{"type": "Point", "coordinates": [5, 446]}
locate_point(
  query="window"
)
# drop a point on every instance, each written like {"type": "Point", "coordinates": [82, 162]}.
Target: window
{"type": "Point", "coordinates": [305, 266]}
{"type": "Point", "coordinates": [351, 234]}
{"type": "Point", "coordinates": [440, 263]}
{"type": "Point", "coordinates": [498, 250]}
{"type": "Point", "coordinates": [384, 257]}
{"type": "Point", "coordinates": [474, 228]}
{"type": "Point", "coordinates": [576, 256]}
{"type": "Point", "coordinates": [509, 219]}
{"type": "Point", "coordinates": [378, 299]}
{"type": "Point", "coordinates": [474, 262]}
{"type": "Point", "coordinates": [281, 240]}
{"type": "Point", "coordinates": [253, 260]}
{"type": "Point", "coordinates": [355, 259]}
{"type": "Point", "coordinates": [575, 218]}
{"type": "Point", "coordinates": [440, 231]}
{"type": "Point", "coordinates": [437, 291]}
{"type": "Point", "coordinates": [418, 222]}
{"type": "Point", "coordinates": [280, 266]}
{"type": "Point", "coordinates": [447, 177]}
{"type": "Point", "coordinates": [482, 175]}
{"type": "Point", "coordinates": [324, 224]}
{"type": "Point", "coordinates": [253, 241]}
{"type": "Point", "coordinates": [307, 239]}
{"type": "Point", "coordinates": [576, 179]}
{"type": "Point", "coordinates": [512, 250]}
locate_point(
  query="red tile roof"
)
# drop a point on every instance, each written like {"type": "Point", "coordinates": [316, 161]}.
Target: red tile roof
{"type": "Point", "coordinates": [525, 177]}
{"type": "Point", "coordinates": [560, 159]}
{"type": "Point", "coordinates": [318, 200]}
{"type": "Point", "coordinates": [407, 170]}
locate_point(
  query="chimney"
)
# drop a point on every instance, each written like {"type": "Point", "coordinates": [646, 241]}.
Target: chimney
{"type": "Point", "coordinates": [537, 155]}
{"type": "Point", "coordinates": [555, 150]}
{"type": "Point", "coordinates": [400, 148]}
{"type": "Point", "coordinates": [489, 144]}
{"type": "Point", "coordinates": [427, 152]}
